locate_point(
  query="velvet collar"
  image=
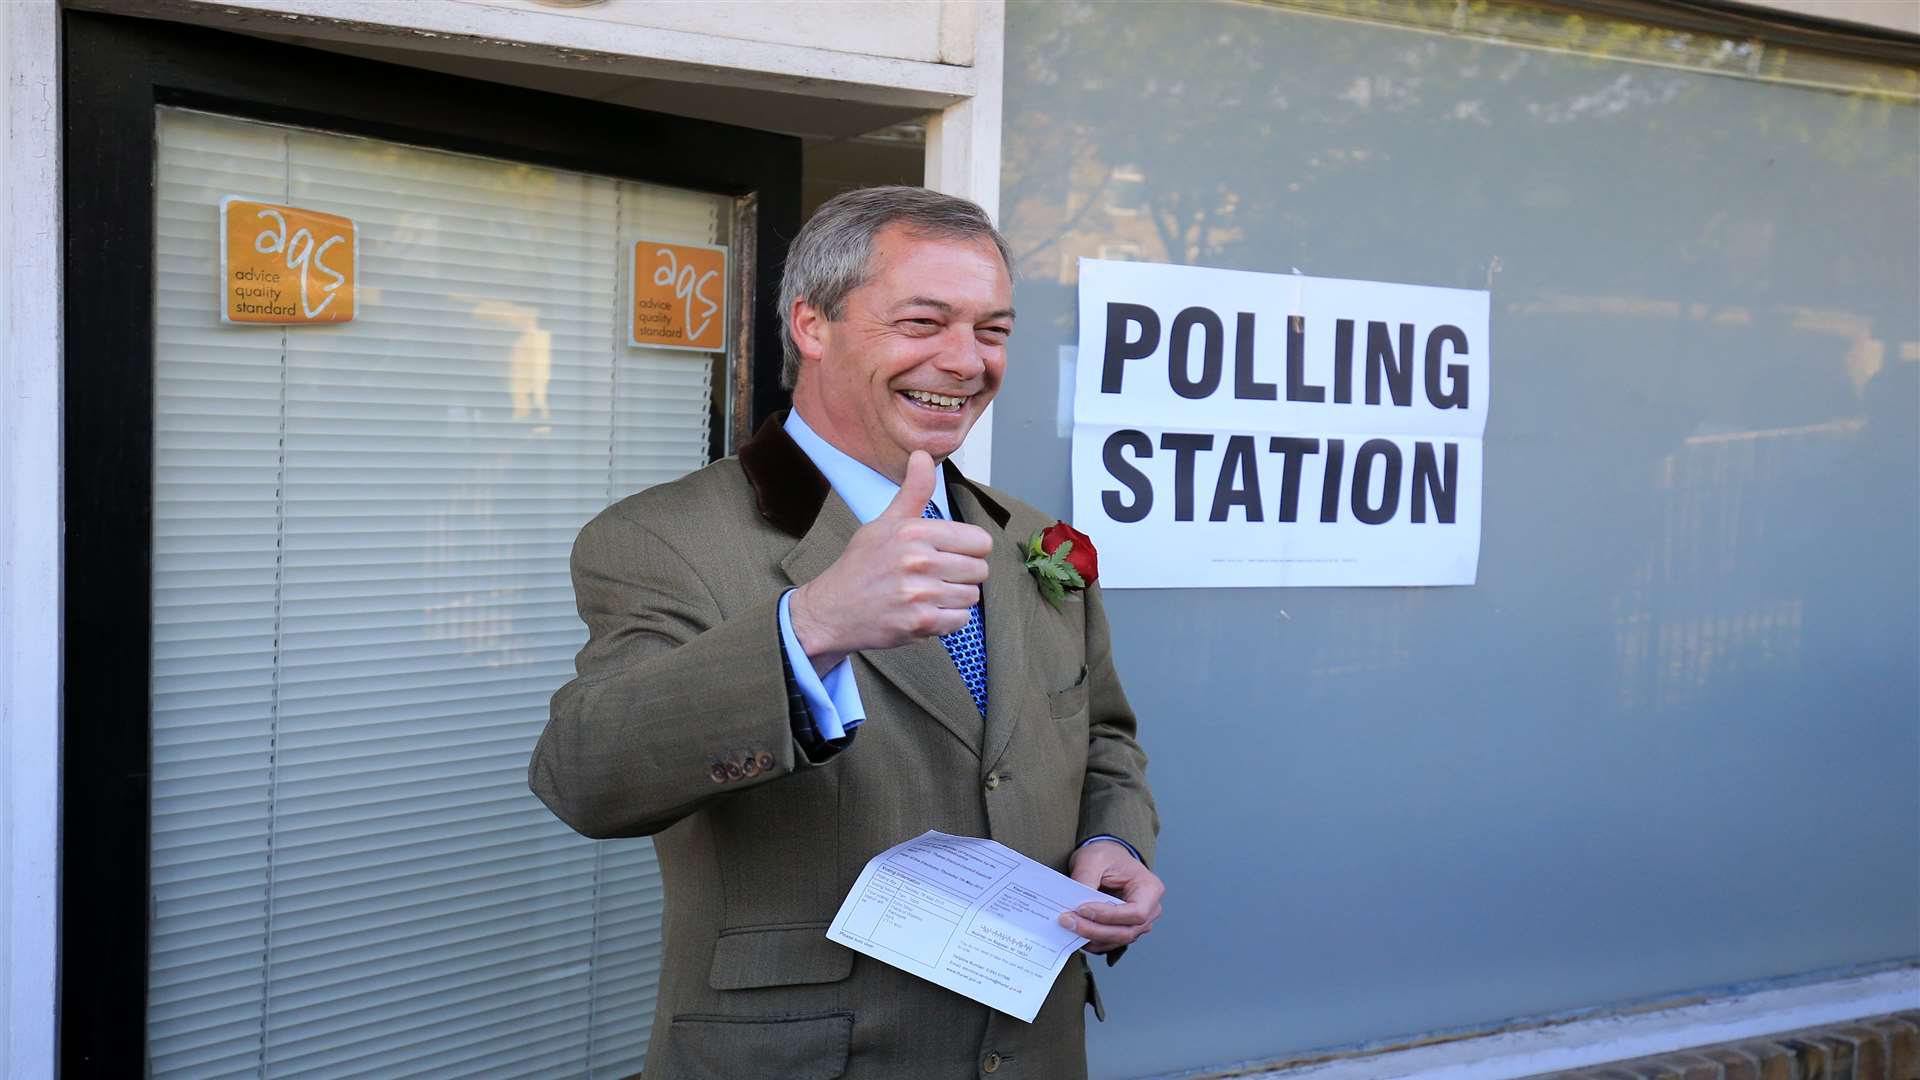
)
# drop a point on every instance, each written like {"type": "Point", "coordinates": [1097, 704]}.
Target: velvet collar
{"type": "Point", "coordinates": [790, 490]}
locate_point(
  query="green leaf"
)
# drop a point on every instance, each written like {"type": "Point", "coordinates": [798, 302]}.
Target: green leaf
{"type": "Point", "coordinates": [1051, 589]}
{"type": "Point", "coordinates": [1052, 573]}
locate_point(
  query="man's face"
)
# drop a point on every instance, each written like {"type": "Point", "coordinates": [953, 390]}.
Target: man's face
{"type": "Point", "coordinates": [916, 355]}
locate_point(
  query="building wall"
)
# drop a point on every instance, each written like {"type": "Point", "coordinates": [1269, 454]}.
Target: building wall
{"type": "Point", "coordinates": [944, 57]}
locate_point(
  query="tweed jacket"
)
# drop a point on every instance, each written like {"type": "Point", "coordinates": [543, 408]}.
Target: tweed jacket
{"type": "Point", "coordinates": [677, 726]}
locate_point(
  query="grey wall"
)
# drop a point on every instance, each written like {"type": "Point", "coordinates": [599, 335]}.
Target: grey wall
{"type": "Point", "coordinates": [1671, 740]}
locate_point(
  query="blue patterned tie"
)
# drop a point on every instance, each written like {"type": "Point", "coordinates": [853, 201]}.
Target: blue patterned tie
{"type": "Point", "coordinates": [967, 645]}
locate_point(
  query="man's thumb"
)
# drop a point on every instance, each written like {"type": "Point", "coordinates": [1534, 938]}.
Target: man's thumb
{"type": "Point", "coordinates": [917, 489]}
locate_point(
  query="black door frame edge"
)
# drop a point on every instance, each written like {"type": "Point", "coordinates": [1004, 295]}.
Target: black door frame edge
{"type": "Point", "coordinates": [116, 71]}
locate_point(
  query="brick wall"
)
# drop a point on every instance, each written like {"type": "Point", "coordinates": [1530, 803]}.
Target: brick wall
{"type": "Point", "coordinates": [1877, 1048]}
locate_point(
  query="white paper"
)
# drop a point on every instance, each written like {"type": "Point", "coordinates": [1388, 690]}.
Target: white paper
{"type": "Point", "coordinates": [1375, 477]}
{"type": "Point", "coordinates": [969, 914]}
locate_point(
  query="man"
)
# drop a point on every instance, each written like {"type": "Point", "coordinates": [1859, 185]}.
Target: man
{"type": "Point", "coordinates": [806, 654]}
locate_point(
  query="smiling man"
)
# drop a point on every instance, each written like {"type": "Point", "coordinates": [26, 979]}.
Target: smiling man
{"type": "Point", "coordinates": [804, 655]}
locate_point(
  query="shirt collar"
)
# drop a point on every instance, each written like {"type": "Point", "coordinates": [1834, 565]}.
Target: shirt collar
{"type": "Point", "coordinates": [865, 491]}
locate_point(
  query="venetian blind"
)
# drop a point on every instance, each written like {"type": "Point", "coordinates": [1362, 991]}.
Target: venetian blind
{"type": "Point", "coordinates": [361, 608]}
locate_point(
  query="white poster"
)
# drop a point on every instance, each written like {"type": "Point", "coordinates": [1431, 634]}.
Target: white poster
{"type": "Point", "coordinates": [1235, 429]}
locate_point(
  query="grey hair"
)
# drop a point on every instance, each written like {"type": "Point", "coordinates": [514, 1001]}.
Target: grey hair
{"type": "Point", "coordinates": [828, 260]}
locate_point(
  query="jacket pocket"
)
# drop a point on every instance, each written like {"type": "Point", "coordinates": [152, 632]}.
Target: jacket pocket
{"type": "Point", "coordinates": [706, 1047]}
{"type": "Point", "coordinates": [1065, 703]}
{"type": "Point", "coordinates": [790, 955]}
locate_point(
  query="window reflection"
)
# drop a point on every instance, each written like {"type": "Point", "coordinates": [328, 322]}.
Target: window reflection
{"type": "Point", "coordinates": [1701, 539]}
{"type": "Point", "coordinates": [529, 358]}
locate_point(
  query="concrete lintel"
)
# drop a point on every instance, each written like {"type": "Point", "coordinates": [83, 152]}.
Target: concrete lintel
{"type": "Point", "coordinates": [547, 39]}
{"type": "Point", "coordinates": [1899, 16]}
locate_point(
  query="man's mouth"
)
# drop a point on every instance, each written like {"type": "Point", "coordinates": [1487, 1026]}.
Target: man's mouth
{"type": "Point", "coordinates": [940, 402]}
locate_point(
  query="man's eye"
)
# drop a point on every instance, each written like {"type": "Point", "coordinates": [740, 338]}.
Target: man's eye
{"type": "Point", "coordinates": [995, 334]}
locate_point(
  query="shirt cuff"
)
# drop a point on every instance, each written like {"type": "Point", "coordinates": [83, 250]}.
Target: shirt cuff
{"type": "Point", "coordinates": [1117, 840]}
{"type": "Point", "coordinates": [834, 702]}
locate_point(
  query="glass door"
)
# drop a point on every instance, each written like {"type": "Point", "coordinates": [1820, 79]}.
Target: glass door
{"type": "Point", "coordinates": [361, 607]}
{"type": "Point", "coordinates": [353, 352]}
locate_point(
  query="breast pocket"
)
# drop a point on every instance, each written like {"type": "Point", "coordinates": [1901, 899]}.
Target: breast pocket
{"type": "Point", "coordinates": [1071, 701]}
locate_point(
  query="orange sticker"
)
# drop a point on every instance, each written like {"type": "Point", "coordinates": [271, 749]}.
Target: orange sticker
{"type": "Point", "coordinates": [679, 296]}
{"type": "Point", "coordinates": [281, 264]}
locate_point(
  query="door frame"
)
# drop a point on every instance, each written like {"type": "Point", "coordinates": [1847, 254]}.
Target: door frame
{"type": "Point", "coordinates": [117, 72]}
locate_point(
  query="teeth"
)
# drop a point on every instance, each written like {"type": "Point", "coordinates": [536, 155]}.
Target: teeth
{"type": "Point", "coordinates": [941, 400]}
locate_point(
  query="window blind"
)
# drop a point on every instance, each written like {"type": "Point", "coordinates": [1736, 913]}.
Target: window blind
{"type": "Point", "coordinates": [361, 608]}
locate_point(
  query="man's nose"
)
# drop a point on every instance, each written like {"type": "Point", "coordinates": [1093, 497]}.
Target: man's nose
{"type": "Point", "coordinates": [963, 356]}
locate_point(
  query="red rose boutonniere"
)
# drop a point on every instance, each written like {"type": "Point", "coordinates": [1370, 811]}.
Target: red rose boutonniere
{"type": "Point", "coordinates": [1062, 560]}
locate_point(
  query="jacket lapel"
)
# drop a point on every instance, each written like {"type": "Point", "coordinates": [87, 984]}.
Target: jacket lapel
{"type": "Point", "coordinates": [1009, 596]}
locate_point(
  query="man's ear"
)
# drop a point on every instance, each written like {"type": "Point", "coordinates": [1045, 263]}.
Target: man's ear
{"type": "Point", "coordinates": [810, 328]}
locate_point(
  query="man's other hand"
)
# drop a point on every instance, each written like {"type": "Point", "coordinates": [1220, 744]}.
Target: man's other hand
{"type": "Point", "coordinates": [1112, 869]}
{"type": "Point", "coordinates": [902, 578]}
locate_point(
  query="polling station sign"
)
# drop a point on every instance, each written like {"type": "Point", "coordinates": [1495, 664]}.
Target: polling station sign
{"type": "Point", "coordinates": [1236, 429]}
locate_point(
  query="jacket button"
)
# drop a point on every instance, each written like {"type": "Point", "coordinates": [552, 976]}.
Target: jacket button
{"type": "Point", "coordinates": [732, 769]}
{"type": "Point", "coordinates": [766, 761]}
{"type": "Point", "coordinates": [992, 1064]}
{"type": "Point", "coordinates": [993, 781]}
{"type": "Point", "coordinates": [718, 772]}
{"type": "Point", "coordinates": [749, 766]}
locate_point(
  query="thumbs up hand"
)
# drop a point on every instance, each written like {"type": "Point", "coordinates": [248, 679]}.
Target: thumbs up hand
{"type": "Point", "coordinates": [916, 491]}
{"type": "Point", "coordinates": [903, 577]}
